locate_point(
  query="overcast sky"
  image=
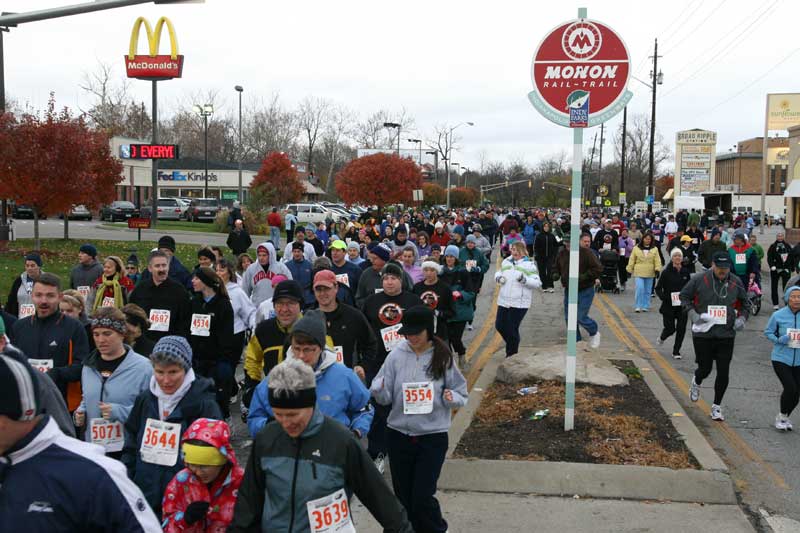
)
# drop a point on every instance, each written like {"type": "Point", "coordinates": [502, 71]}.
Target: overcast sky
{"type": "Point", "coordinates": [444, 61]}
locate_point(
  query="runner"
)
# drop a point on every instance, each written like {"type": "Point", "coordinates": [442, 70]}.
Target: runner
{"type": "Point", "coordinates": [164, 300]}
{"type": "Point", "coordinates": [673, 278]}
{"type": "Point", "coordinates": [644, 264]}
{"type": "Point", "coordinates": [783, 329]}
{"type": "Point", "coordinates": [626, 244]}
{"type": "Point", "coordinates": [256, 281]}
{"type": "Point", "coordinates": [711, 300]}
{"type": "Point", "coordinates": [347, 273]}
{"type": "Point", "coordinates": [87, 270]}
{"type": "Point", "coordinates": [112, 288]}
{"type": "Point", "coordinates": [243, 309]}
{"type": "Point", "coordinates": [589, 269]}
{"type": "Point", "coordinates": [202, 496]}
{"type": "Point", "coordinates": [174, 399]}
{"type": "Point", "coordinates": [111, 379]}
{"type": "Point", "coordinates": [19, 302]}
{"type": "Point", "coordinates": [177, 272]}
{"type": "Point", "coordinates": [136, 323]}
{"type": "Point", "coordinates": [518, 276]}
{"type": "Point", "coordinates": [710, 247]}
{"type": "Point", "coordinates": [438, 296]}
{"type": "Point", "coordinates": [302, 272]}
{"type": "Point", "coordinates": [272, 502]}
{"type": "Point", "coordinates": [744, 260]}
{"type": "Point", "coordinates": [779, 259]}
{"type": "Point", "coordinates": [84, 491]}
{"type": "Point", "coordinates": [422, 384]}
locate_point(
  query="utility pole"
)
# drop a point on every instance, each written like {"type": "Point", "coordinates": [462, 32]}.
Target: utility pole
{"type": "Point", "coordinates": [600, 160]}
{"type": "Point", "coordinates": [651, 170]}
{"type": "Point", "coordinates": [624, 138]}
{"type": "Point", "coordinates": [588, 186]}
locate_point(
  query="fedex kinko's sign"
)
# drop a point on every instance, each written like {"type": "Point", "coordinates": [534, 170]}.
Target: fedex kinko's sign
{"type": "Point", "coordinates": [153, 66]}
{"type": "Point", "coordinates": [580, 73]}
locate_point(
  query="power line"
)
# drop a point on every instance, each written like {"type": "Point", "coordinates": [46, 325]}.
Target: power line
{"type": "Point", "coordinates": [641, 63]}
{"type": "Point", "coordinates": [691, 33]}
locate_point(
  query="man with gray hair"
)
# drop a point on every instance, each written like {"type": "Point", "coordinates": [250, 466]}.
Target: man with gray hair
{"type": "Point", "coordinates": [329, 450]}
{"type": "Point", "coordinates": [781, 262]}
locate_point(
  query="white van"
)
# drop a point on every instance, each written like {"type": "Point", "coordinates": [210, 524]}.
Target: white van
{"type": "Point", "coordinates": [310, 213]}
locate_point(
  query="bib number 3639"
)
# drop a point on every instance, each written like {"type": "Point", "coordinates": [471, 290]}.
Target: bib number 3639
{"type": "Point", "coordinates": [160, 443]}
{"type": "Point", "coordinates": [418, 398]}
{"type": "Point", "coordinates": [330, 514]}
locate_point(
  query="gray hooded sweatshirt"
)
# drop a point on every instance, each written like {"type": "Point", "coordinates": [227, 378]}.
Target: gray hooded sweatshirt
{"type": "Point", "coordinates": [85, 275]}
{"type": "Point", "coordinates": [257, 279]}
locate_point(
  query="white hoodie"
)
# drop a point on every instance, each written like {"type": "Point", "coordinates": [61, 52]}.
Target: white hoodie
{"type": "Point", "coordinates": [513, 292]}
{"type": "Point", "coordinates": [257, 282]}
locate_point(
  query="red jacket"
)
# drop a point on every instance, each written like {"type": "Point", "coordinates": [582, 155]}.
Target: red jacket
{"type": "Point", "coordinates": [185, 488]}
{"type": "Point", "coordinates": [442, 239]}
{"type": "Point", "coordinates": [274, 219]}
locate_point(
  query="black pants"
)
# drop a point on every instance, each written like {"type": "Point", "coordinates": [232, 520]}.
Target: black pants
{"type": "Point", "coordinates": [708, 350]}
{"type": "Point", "coordinates": [674, 322]}
{"type": "Point", "coordinates": [376, 438]}
{"type": "Point", "coordinates": [416, 463]}
{"type": "Point", "coordinates": [790, 379]}
{"type": "Point", "coordinates": [289, 236]}
{"type": "Point", "coordinates": [777, 276]}
{"type": "Point", "coordinates": [222, 372]}
{"type": "Point", "coordinates": [507, 325]}
{"type": "Point", "coordinates": [545, 271]}
{"type": "Point", "coordinates": [622, 271]}
{"type": "Point", "coordinates": [456, 332]}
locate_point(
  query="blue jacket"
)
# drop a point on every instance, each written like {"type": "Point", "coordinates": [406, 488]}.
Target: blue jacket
{"type": "Point", "coordinates": [779, 322]}
{"type": "Point", "coordinates": [57, 483]}
{"type": "Point", "coordinates": [529, 233]}
{"type": "Point", "coordinates": [199, 402]}
{"type": "Point", "coordinates": [340, 395]}
{"type": "Point", "coordinates": [303, 274]}
{"type": "Point", "coordinates": [120, 389]}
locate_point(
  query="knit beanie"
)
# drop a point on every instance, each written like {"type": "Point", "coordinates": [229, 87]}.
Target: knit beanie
{"type": "Point", "coordinates": [167, 242]}
{"type": "Point", "coordinates": [19, 395]}
{"type": "Point", "coordinates": [313, 325]}
{"type": "Point", "coordinates": [471, 238]}
{"type": "Point", "coordinates": [175, 348]}
{"type": "Point", "coordinates": [451, 250]}
{"type": "Point", "coordinates": [88, 249]}
{"type": "Point", "coordinates": [392, 269]}
{"type": "Point", "coordinates": [380, 250]}
{"type": "Point", "coordinates": [432, 265]}
{"type": "Point", "coordinates": [459, 229]}
{"type": "Point", "coordinates": [133, 260]}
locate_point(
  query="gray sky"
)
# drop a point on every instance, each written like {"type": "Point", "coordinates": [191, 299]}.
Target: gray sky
{"type": "Point", "coordinates": [444, 61]}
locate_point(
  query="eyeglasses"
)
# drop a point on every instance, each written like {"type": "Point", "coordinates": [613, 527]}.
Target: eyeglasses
{"type": "Point", "coordinates": [285, 303]}
{"type": "Point", "coordinates": [305, 350]}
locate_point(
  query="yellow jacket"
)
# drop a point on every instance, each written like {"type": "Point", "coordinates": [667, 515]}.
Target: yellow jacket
{"type": "Point", "coordinates": [644, 263]}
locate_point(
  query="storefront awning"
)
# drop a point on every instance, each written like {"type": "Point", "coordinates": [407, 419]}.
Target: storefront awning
{"type": "Point", "coordinates": [669, 195]}
{"type": "Point", "coordinates": [793, 190]}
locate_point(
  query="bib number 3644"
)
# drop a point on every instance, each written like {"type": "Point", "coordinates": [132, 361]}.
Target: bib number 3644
{"type": "Point", "coordinates": [160, 442]}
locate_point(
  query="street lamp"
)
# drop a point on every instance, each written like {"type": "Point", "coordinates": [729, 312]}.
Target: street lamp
{"type": "Point", "coordinates": [458, 174]}
{"type": "Point", "coordinates": [240, 90]}
{"type": "Point", "coordinates": [435, 154]}
{"type": "Point", "coordinates": [419, 143]}
{"type": "Point", "coordinates": [447, 157]}
{"type": "Point", "coordinates": [398, 126]}
{"type": "Point", "coordinates": [464, 175]}
{"type": "Point", "coordinates": [205, 111]}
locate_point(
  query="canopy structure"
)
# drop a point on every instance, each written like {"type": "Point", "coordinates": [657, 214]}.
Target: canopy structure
{"type": "Point", "coordinates": [793, 190]}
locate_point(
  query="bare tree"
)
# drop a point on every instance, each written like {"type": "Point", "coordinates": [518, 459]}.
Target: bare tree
{"type": "Point", "coordinates": [111, 102]}
{"type": "Point", "coordinates": [371, 132]}
{"type": "Point", "coordinates": [339, 128]}
{"type": "Point", "coordinates": [637, 154]}
{"type": "Point", "coordinates": [312, 115]}
{"type": "Point", "coordinates": [269, 128]}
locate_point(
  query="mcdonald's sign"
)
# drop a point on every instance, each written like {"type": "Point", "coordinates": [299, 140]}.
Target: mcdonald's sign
{"type": "Point", "coordinates": [153, 66]}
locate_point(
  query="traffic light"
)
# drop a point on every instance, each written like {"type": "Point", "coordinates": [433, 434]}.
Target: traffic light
{"type": "Point", "coordinates": [530, 184]}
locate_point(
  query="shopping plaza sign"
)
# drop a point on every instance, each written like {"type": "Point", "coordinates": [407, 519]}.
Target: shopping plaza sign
{"type": "Point", "coordinates": [153, 66]}
{"type": "Point", "coordinates": [580, 73]}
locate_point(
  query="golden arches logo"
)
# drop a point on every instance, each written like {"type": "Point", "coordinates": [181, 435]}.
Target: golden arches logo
{"type": "Point", "coordinates": [153, 37]}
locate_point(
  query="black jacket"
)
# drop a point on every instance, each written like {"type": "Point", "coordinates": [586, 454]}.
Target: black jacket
{"type": "Point", "coordinates": [239, 241]}
{"type": "Point", "coordinates": [545, 246]}
{"type": "Point", "coordinates": [383, 311]}
{"type": "Point", "coordinates": [170, 296]}
{"type": "Point", "coordinates": [599, 241]}
{"type": "Point", "coordinates": [438, 297]}
{"type": "Point", "coordinates": [221, 343]}
{"type": "Point", "coordinates": [671, 280]}
{"type": "Point", "coordinates": [348, 328]}
{"type": "Point", "coordinates": [776, 253]}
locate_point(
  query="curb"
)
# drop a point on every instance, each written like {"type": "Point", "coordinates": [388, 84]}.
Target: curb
{"type": "Point", "coordinates": [712, 484]}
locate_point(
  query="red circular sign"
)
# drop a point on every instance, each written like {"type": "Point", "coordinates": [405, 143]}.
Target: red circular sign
{"type": "Point", "coordinates": [582, 63]}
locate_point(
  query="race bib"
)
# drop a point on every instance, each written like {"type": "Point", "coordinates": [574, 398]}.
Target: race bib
{"type": "Point", "coordinates": [42, 365]}
{"type": "Point", "coordinates": [794, 337]}
{"type": "Point", "coordinates": [26, 310]}
{"type": "Point", "coordinates": [606, 246]}
{"type": "Point", "coordinates": [719, 314]}
{"type": "Point", "coordinates": [84, 291]}
{"type": "Point", "coordinates": [343, 279]}
{"type": "Point", "coordinates": [471, 263]}
{"type": "Point", "coordinates": [330, 514]}
{"type": "Point", "coordinates": [741, 259]}
{"type": "Point", "coordinates": [108, 301]}
{"type": "Point", "coordinates": [339, 351]}
{"type": "Point", "coordinates": [676, 299]}
{"type": "Point", "coordinates": [784, 257]}
{"type": "Point", "coordinates": [160, 443]}
{"type": "Point", "coordinates": [378, 290]}
{"type": "Point", "coordinates": [390, 337]}
{"type": "Point", "coordinates": [694, 241]}
{"type": "Point", "coordinates": [646, 252]}
{"type": "Point", "coordinates": [418, 398]}
{"type": "Point", "coordinates": [107, 434]}
{"type": "Point", "coordinates": [201, 325]}
{"type": "Point", "coordinates": [159, 320]}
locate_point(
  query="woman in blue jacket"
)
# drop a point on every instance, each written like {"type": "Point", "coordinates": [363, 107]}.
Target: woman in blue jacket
{"type": "Point", "coordinates": [340, 393]}
{"type": "Point", "coordinates": [529, 234]}
{"type": "Point", "coordinates": [783, 329]}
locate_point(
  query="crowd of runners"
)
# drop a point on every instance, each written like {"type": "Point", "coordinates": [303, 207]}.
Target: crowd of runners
{"type": "Point", "coordinates": [343, 349]}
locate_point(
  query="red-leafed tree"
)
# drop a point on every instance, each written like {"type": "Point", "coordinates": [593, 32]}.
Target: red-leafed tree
{"type": "Point", "coordinates": [276, 183]}
{"type": "Point", "coordinates": [663, 184]}
{"type": "Point", "coordinates": [54, 161]}
{"type": "Point", "coordinates": [378, 179]}
{"type": "Point", "coordinates": [464, 197]}
{"type": "Point", "coordinates": [433, 194]}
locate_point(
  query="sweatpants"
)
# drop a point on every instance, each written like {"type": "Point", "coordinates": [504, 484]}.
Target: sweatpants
{"type": "Point", "coordinates": [544, 264]}
{"type": "Point", "coordinates": [622, 270]}
{"type": "Point", "coordinates": [708, 350]}
{"type": "Point", "coordinates": [507, 325]}
{"type": "Point", "coordinates": [456, 332]}
{"type": "Point", "coordinates": [790, 379]}
{"type": "Point", "coordinates": [416, 463]}
{"type": "Point", "coordinates": [674, 322]}
{"type": "Point", "coordinates": [776, 277]}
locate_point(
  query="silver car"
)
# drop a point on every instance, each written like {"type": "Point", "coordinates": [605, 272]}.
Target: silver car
{"type": "Point", "coordinates": [170, 209]}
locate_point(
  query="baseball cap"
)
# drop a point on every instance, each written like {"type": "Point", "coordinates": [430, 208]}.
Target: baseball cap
{"type": "Point", "coordinates": [721, 260]}
{"type": "Point", "coordinates": [339, 245]}
{"type": "Point", "coordinates": [288, 289]}
{"type": "Point", "coordinates": [325, 278]}
{"type": "Point", "coordinates": [686, 238]}
{"type": "Point", "coordinates": [416, 320]}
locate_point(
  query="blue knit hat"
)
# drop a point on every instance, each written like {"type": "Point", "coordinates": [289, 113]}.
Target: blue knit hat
{"type": "Point", "coordinates": [88, 249]}
{"type": "Point", "coordinates": [451, 250]}
{"type": "Point", "coordinates": [174, 347]}
{"type": "Point", "coordinates": [459, 229]}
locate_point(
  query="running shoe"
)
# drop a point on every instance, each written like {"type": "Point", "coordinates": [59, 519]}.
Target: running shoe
{"type": "Point", "coordinates": [780, 422]}
{"type": "Point", "coordinates": [716, 413]}
{"type": "Point", "coordinates": [694, 391]}
{"type": "Point", "coordinates": [776, 307]}
{"type": "Point", "coordinates": [380, 463]}
{"type": "Point", "coordinates": [594, 341]}
{"type": "Point", "coordinates": [677, 355]}
{"type": "Point", "coordinates": [637, 310]}
{"type": "Point", "coordinates": [788, 423]}
{"type": "Point", "coordinates": [659, 340]}
{"type": "Point", "coordinates": [469, 327]}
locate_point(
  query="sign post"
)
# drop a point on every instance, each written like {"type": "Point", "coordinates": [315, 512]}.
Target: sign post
{"type": "Point", "coordinates": [580, 73]}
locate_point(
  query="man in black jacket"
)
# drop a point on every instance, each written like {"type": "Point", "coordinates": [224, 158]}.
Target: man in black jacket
{"type": "Point", "coordinates": [672, 279]}
{"type": "Point", "coordinates": [779, 259]}
{"type": "Point", "coordinates": [239, 240]}
{"type": "Point", "coordinates": [54, 343]}
{"type": "Point", "coordinates": [164, 300]}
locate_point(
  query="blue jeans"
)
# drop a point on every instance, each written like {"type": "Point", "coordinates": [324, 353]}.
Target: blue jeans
{"type": "Point", "coordinates": [275, 237]}
{"type": "Point", "coordinates": [644, 288]}
{"type": "Point", "coordinates": [585, 298]}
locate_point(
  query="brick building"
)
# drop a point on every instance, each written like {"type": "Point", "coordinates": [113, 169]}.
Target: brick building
{"type": "Point", "coordinates": [740, 168]}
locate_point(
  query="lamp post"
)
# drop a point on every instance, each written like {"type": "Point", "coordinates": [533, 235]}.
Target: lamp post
{"type": "Point", "coordinates": [435, 154]}
{"type": "Point", "coordinates": [464, 175]}
{"type": "Point", "coordinates": [458, 173]}
{"type": "Point", "coordinates": [240, 90]}
{"type": "Point", "coordinates": [419, 144]}
{"type": "Point", "coordinates": [397, 126]}
{"type": "Point", "coordinates": [205, 111]}
{"type": "Point", "coordinates": [447, 157]}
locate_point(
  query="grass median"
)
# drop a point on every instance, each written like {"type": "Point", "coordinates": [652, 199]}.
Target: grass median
{"type": "Point", "coordinates": [202, 227]}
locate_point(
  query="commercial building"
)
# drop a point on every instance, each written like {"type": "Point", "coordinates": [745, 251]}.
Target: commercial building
{"type": "Point", "coordinates": [740, 168]}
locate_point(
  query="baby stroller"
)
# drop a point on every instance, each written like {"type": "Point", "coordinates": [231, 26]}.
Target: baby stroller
{"type": "Point", "coordinates": [754, 297]}
{"type": "Point", "coordinates": [608, 277]}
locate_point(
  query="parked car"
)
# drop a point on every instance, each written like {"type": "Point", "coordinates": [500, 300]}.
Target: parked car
{"type": "Point", "coordinates": [119, 210]}
{"type": "Point", "coordinates": [184, 206]}
{"type": "Point", "coordinates": [203, 209]}
{"type": "Point", "coordinates": [310, 213]}
{"type": "Point", "coordinates": [24, 211]}
{"type": "Point", "coordinates": [170, 209]}
{"type": "Point", "coordinates": [78, 212]}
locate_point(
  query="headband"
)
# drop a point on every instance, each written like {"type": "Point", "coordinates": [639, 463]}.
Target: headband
{"type": "Point", "coordinates": [202, 276]}
{"type": "Point", "coordinates": [202, 455]}
{"type": "Point", "coordinates": [298, 399]}
{"type": "Point", "coordinates": [109, 323]}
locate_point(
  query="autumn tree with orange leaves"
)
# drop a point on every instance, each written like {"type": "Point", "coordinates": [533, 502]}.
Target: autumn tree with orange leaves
{"type": "Point", "coordinates": [276, 183]}
{"type": "Point", "coordinates": [378, 179]}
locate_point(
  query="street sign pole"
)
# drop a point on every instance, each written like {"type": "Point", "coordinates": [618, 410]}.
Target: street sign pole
{"type": "Point", "coordinates": [572, 307]}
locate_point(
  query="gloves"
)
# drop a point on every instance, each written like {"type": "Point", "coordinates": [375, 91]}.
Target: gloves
{"type": "Point", "coordinates": [705, 317]}
{"type": "Point", "coordinates": [773, 269]}
{"type": "Point", "coordinates": [436, 313]}
{"type": "Point", "coordinates": [456, 294]}
{"type": "Point", "coordinates": [739, 324]}
{"type": "Point", "coordinates": [783, 339]}
{"type": "Point", "coordinates": [501, 280]}
{"type": "Point", "coordinates": [521, 278]}
{"type": "Point", "coordinates": [195, 512]}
